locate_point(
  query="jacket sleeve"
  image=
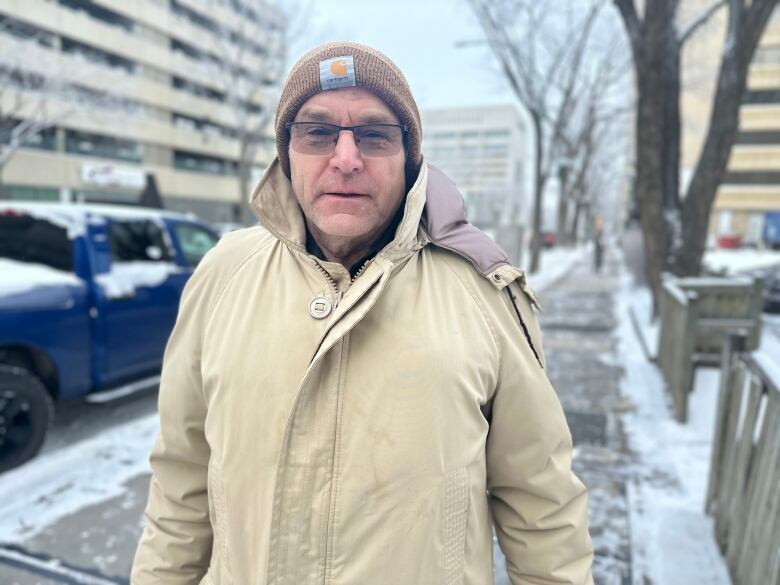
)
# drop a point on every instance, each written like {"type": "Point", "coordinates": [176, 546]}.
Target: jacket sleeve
{"type": "Point", "coordinates": [175, 547]}
{"type": "Point", "coordinates": [539, 507]}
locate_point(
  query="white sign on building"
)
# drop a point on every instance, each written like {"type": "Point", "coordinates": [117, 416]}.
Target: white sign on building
{"type": "Point", "coordinates": [108, 175]}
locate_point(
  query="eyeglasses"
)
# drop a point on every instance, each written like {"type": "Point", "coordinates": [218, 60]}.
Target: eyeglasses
{"type": "Point", "coordinates": [371, 139]}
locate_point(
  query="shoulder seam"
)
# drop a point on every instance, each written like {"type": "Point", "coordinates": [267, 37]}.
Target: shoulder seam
{"type": "Point", "coordinates": [527, 334]}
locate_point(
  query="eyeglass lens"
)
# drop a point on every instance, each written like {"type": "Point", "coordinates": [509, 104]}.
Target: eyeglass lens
{"type": "Point", "coordinates": [372, 140]}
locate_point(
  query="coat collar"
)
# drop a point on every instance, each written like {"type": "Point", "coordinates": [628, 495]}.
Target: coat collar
{"type": "Point", "coordinates": [277, 209]}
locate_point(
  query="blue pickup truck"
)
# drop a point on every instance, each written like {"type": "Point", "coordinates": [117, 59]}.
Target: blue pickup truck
{"type": "Point", "coordinates": [88, 298]}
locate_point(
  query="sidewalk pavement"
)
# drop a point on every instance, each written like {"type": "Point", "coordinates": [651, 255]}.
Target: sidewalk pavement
{"type": "Point", "coordinates": [645, 473]}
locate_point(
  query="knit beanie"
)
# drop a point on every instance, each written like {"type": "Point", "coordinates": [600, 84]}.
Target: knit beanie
{"type": "Point", "coordinates": [347, 64]}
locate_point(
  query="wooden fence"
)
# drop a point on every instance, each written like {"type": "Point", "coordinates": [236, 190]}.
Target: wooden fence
{"type": "Point", "coordinates": [744, 483]}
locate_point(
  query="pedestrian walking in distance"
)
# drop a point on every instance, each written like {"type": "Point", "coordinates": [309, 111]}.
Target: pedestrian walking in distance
{"type": "Point", "coordinates": [355, 389]}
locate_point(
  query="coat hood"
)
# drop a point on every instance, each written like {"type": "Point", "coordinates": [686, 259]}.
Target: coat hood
{"type": "Point", "coordinates": [433, 213]}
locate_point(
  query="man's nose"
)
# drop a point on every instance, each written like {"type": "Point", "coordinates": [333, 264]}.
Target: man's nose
{"type": "Point", "coordinates": [346, 154]}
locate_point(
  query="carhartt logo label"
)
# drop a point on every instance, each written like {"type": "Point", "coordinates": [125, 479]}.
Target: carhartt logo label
{"type": "Point", "coordinates": [337, 72]}
{"type": "Point", "coordinates": [338, 68]}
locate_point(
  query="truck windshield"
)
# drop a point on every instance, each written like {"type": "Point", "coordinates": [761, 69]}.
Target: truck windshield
{"type": "Point", "coordinates": [30, 239]}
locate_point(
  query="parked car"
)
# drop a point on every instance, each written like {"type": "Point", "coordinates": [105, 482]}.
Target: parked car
{"type": "Point", "coordinates": [771, 278]}
{"type": "Point", "coordinates": [88, 298]}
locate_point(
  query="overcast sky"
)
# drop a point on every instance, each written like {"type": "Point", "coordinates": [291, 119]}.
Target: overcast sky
{"type": "Point", "coordinates": [419, 36]}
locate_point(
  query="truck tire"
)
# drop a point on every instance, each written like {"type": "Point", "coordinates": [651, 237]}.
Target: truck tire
{"type": "Point", "coordinates": [26, 413]}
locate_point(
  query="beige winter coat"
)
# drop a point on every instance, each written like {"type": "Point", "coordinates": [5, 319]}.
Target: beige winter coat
{"type": "Point", "coordinates": [374, 445]}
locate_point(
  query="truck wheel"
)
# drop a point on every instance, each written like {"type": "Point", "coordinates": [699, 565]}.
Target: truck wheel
{"type": "Point", "coordinates": [26, 413]}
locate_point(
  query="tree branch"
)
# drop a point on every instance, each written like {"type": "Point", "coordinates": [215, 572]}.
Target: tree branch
{"type": "Point", "coordinates": [700, 21]}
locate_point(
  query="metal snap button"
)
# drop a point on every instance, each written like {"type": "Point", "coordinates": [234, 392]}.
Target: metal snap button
{"type": "Point", "coordinates": [496, 277]}
{"type": "Point", "coordinates": [320, 308]}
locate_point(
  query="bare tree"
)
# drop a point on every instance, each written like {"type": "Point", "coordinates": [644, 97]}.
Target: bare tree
{"type": "Point", "coordinates": [590, 131]}
{"type": "Point", "coordinates": [675, 229]}
{"type": "Point", "coordinates": [250, 73]}
{"type": "Point", "coordinates": [541, 59]}
{"type": "Point", "coordinates": [39, 89]}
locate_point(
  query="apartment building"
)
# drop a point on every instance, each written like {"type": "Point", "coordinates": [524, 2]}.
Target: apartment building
{"type": "Point", "coordinates": [482, 149]}
{"type": "Point", "coordinates": [157, 83]}
{"type": "Point", "coordinates": [751, 186]}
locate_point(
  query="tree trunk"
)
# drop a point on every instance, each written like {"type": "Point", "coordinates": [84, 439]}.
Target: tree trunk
{"type": "Point", "coordinates": [574, 230]}
{"type": "Point", "coordinates": [657, 65]}
{"type": "Point", "coordinates": [745, 31]}
{"type": "Point", "coordinates": [536, 225]}
{"type": "Point", "coordinates": [563, 214]}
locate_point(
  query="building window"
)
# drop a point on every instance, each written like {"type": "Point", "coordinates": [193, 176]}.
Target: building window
{"type": "Point", "coordinates": [46, 139]}
{"type": "Point", "coordinates": [191, 161]}
{"type": "Point", "coordinates": [496, 149]}
{"type": "Point", "coordinates": [190, 51]}
{"type": "Point", "coordinates": [24, 31]}
{"type": "Point", "coordinates": [767, 55]}
{"type": "Point", "coordinates": [759, 137]}
{"type": "Point", "coordinates": [762, 96]}
{"type": "Point", "coordinates": [101, 146]}
{"type": "Point", "coordinates": [192, 16]}
{"type": "Point", "coordinates": [752, 178]}
{"type": "Point", "coordinates": [199, 125]}
{"type": "Point", "coordinates": [99, 13]}
{"type": "Point", "coordinates": [25, 193]}
{"type": "Point", "coordinates": [197, 89]}
{"type": "Point", "coordinates": [496, 132]}
{"type": "Point", "coordinates": [97, 56]}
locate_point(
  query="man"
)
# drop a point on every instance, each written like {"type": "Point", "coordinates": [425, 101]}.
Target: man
{"type": "Point", "coordinates": [356, 388]}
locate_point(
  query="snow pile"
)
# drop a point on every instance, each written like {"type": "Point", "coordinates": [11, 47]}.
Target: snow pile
{"type": "Point", "coordinates": [60, 482]}
{"type": "Point", "coordinates": [743, 260]}
{"type": "Point", "coordinates": [672, 538]}
{"type": "Point", "coordinates": [21, 277]}
{"type": "Point", "coordinates": [126, 277]}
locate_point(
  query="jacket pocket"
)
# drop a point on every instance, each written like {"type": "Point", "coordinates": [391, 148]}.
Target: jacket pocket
{"type": "Point", "coordinates": [456, 504]}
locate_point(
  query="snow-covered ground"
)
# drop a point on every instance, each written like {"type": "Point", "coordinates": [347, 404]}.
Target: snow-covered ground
{"type": "Point", "coordinates": [60, 482]}
{"type": "Point", "coordinates": [672, 538]}
{"type": "Point", "coordinates": [555, 263]}
{"type": "Point", "coordinates": [741, 260]}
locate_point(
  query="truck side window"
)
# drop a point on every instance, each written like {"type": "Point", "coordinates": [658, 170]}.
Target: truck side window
{"type": "Point", "coordinates": [195, 241]}
{"type": "Point", "coordinates": [134, 240]}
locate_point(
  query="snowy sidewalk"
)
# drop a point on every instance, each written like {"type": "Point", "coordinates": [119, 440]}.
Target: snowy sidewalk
{"type": "Point", "coordinates": [646, 474]}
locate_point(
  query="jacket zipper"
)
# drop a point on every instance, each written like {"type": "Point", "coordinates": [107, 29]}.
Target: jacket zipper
{"type": "Point", "coordinates": [361, 270]}
{"type": "Point", "coordinates": [331, 281]}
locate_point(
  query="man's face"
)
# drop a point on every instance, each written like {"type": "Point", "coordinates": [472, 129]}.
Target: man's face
{"type": "Point", "coordinates": [346, 194]}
